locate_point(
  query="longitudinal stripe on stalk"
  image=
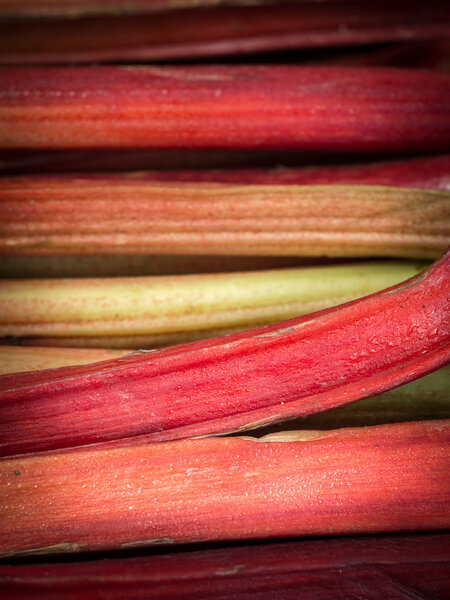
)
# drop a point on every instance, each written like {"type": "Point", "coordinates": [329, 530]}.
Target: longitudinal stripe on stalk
{"type": "Point", "coordinates": [253, 378]}
{"type": "Point", "coordinates": [149, 217]}
{"type": "Point", "coordinates": [229, 107]}
{"type": "Point", "coordinates": [369, 480]}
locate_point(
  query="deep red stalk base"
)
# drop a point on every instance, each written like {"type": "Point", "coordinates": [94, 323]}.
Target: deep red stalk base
{"type": "Point", "coordinates": [220, 31]}
{"type": "Point", "coordinates": [371, 567]}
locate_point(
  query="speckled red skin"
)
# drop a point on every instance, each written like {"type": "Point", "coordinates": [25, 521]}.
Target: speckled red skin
{"type": "Point", "coordinates": [252, 378]}
{"type": "Point", "coordinates": [427, 172]}
{"type": "Point", "coordinates": [229, 107]}
{"type": "Point", "coordinates": [374, 479]}
{"type": "Point", "coordinates": [220, 30]}
{"type": "Point", "coordinates": [370, 567]}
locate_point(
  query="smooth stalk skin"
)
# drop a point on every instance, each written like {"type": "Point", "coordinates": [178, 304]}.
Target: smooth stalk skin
{"type": "Point", "coordinates": [158, 305]}
{"type": "Point", "coordinates": [242, 381]}
{"type": "Point", "coordinates": [14, 359]}
{"type": "Point", "coordinates": [203, 218]}
{"type": "Point", "coordinates": [369, 480]}
{"type": "Point", "coordinates": [219, 31]}
{"type": "Point", "coordinates": [426, 172]}
{"type": "Point", "coordinates": [369, 567]}
{"type": "Point", "coordinates": [225, 107]}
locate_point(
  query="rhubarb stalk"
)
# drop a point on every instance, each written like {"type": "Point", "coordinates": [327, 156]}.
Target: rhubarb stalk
{"type": "Point", "coordinates": [382, 566]}
{"type": "Point", "coordinates": [228, 107]}
{"type": "Point", "coordinates": [369, 480]}
{"type": "Point", "coordinates": [14, 359]}
{"type": "Point", "coordinates": [249, 379]}
{"type": "Point", "coordinates": [219, 31]}
{"type": "Point", "coordinates": [425, 398]}
{"type": "Point", "coordinates": [149, 217]}
{"type": "Point", "coordinates": [158, 305]}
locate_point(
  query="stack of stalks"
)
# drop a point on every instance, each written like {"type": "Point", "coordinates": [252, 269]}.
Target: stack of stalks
{"type": "Point", "coordinates": [224, 304]}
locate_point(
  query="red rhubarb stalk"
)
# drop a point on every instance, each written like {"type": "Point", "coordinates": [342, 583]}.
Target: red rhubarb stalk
{"type": "Point", "coordinates": [229, 107]}
{"type": "Point", "coordinates": [381, 566]}
{"type": "Point", "coordinates": [374, 479]}
{"type": "Point", "coordinates": [249, 379]}
{"type": "Point", "coordinates": [220, 30]}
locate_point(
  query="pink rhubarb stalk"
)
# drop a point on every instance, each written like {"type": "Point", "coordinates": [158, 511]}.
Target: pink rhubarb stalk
{"type": "Point", "coordinates": [228, 107]}
{"type": "Point", "coordinates": [253, 378]}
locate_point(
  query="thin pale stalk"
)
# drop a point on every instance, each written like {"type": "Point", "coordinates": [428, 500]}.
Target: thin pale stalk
{"type": "Point", "coordinates": [368, 480]}
{"type": "Point", "coordinates": [205, 218]}
{"type": "Point", "coordinates": [160, 305]}
{"type": "Point", "coordinates": [225, 107]}
{"type": "Point", "coordinates": [294, 368]}
{"type": "Point", "coordinates": [14, 359]}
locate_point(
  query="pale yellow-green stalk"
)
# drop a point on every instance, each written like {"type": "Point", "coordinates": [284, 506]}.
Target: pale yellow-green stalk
{"type": "Point", "coordinates": [164, 305]}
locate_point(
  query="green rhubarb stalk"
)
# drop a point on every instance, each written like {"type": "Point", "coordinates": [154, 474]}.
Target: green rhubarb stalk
{"type": "Point", "coordinates": [137, 306]}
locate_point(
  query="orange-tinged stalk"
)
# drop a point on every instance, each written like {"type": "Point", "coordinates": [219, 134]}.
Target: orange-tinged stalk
{"type": "Point", "coordinates": [161, 306]}
{"type": "Point", "coordinates": [147, 217]}
{"type": "Point", "coordinates": [375, 479]}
